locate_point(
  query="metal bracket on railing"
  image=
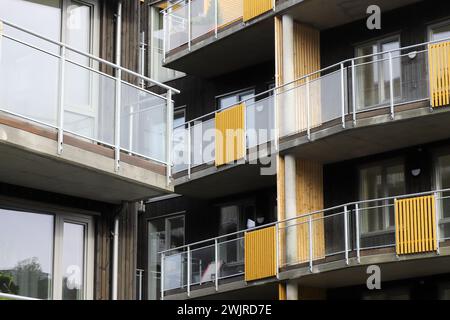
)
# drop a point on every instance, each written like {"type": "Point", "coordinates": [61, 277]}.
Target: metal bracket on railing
{"type": "Point", "coordinates": [162, 275]}
{"type": "Point", "coordinates": [391, 85]}
{"type": "Point", "coordinates": [61, 100]}
{"type": "Point", "coordinates": [346, 234]}
{"type": "Point", "coordinates": [358, 249]}
{"type": "Point", "coordinates": [308, 110]}
{"type": "Point", "coordinates": [343, 95]}
{"type": "Point", "coordinates": [310, 244]}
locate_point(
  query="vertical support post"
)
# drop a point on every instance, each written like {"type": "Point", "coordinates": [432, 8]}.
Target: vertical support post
{"type": "Point", "coordinates": [346, 233]}
{"type": "Point", "coordinates": [354, 92]}
{"type": "Point", "coordinates": [358, 246]}
{"type": "Point", "coordinates": [189, 25]}
{"type": "Point", "coordinates": [308, 110]}
{"type": "Point", "coordinates": [216, 17]}
{"type": "Point", "coordinates": [118, 87]}
{"type": "Point", "coordinates": [62, 67]}
{"type": "Point", "coordinates": [277, 248]}
{"type": "Point", "coordinates": [216, 264]}
{"type": "Point", "coordinates": [343, 95]}
{"type": "Point", "coordinates": [276, 117]}
{"type": "Point", "coordinates": [140, 285]}
{"type": "Point", "coordinates": [115, 264]}
{"type": "Point", "coordinates": [310, 244]}
{"type": "Point", "coordinates": [162, 275]}
{"type": "Point", "coordinates": [166, 36]}
{"type": "Point", "coordinates": [391, 85]}
{"type": "Point", "coordinates": [189, 271]}
{"type": "Point", "coordinates": [169, 132]}
{"type": "Point", "coordinates": [436, 210]}
{"type": "Point", "coordinates": [189, 150]}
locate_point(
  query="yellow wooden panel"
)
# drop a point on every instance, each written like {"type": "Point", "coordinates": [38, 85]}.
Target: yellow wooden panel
{"type": "Point", "coordinates": [439, 73]}
{"type": "Point", "coordinates": [281, 291]}
{"type": "Point", "coordinates": [254, 8]}
{"type": "Point", "coordinates": [229, 11]}
{"type": "Point", "coordinates": [415, 221]}
{"type": "Point", "coordinates": [230, 135]}
{"type": "Point", "coordinates": [260, 254]}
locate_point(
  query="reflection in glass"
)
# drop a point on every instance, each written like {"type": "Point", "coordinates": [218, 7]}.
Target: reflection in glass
{"type": "Point", "coordinates": [26, 254]}
{"type": "Point", "coordinates": [73, 262]}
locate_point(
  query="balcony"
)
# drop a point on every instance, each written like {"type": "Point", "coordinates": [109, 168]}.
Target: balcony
{"type": "Point", "coordinates": [76, 124]}
{"type": "Point", "coordinates": [335, 240]}
{"type": "Point", "coordinates": [240, 33]}
{"type": "Point", "coordinates": [357, 107]}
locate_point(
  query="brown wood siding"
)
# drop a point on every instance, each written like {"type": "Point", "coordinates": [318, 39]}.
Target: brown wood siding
{"type": "Point", "coordinates": [309, 189]}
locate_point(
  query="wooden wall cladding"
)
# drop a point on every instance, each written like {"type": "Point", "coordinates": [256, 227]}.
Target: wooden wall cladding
{"type": "Point", "coordinates": [439, 73]}
{"type": "Point", "coordinates": [254, 8]}
{"type": "Point", "coordinates": [415, 220]}
{"type": "Point", "coordinates": [309, 191]}
{"type": "Point", "coordinates": [229, 11]}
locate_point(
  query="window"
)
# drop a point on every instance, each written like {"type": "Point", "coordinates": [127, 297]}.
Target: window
{"type": "Point", "coordinates": [180, 156]}
{"type": "Point", "coordinates": [440, 31]}
{"type": "Point", "coordinates": [232, 99]}
{"type": "Point", "coordinates": [165, 233]}
{"type": "Point", "coordinates": [46, 256]}
{"type": "Point", "coordinates": [442, 181]}
{"type": "Point", "coordinates": [379, 181]}
{"type": "Point", "coordinates": [157, 71]}
{"type": "Point", "coordinates": [372, 73]}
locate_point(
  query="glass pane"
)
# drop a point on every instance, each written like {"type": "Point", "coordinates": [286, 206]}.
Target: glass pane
{"type": "Point", "coordinates": [202, 17]}
{"type": "Point", "coordinates": [26, 254]}
{"type": "Point", "coordinates": [73, 261]}
{"type": "Point", "coordinates": [260, 120]}
{"type": "Point", "coordinates": [444, 183]}
{"type": "Point", "coordinates": [156, 243]}
{"type": "Point", "coordinates": [177, 26]}
{"type": "Point", "coordinates": [228, 101]}
{"type": "Point", "coordinates": [440, 33]}
{"type": "Point", "coordinates": [175, 232]}
{"type": "Point", "coordinates": [78, 35]}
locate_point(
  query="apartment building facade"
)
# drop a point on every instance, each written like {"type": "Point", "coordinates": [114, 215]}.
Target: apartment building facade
{"type": "Point", "coordinates": [339, 158]}
{"type": "Point", "coordinates": [84, 138]}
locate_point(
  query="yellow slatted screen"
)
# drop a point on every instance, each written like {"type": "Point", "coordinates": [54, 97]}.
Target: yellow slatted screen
{"type": "Point", "coordinates": [439, 73]}
{"type": "Point", "coordinates": [229, 11]}
{"type": "Point", "coordinates": [415, 221]}
{"type": "Point", "coordinates": [254, 8]}
{"type": "Point", "coordinates": [260, 254]}
{"type": "Point", "coordinates": [281, 291]}
{"type": "Point", "coordinates": [230, 135]}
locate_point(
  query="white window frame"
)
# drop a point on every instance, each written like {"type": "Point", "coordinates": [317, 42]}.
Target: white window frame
{"type": "Point", "coordinates": [238, 93]}
{"type": "Point", "coordinates": [61, 215]}
{"type": "Point", "coordinates": [433, 26]}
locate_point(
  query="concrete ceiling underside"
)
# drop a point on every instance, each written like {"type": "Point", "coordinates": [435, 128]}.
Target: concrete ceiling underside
{"type": "Point", "coordinates": [211, 58]}
{"type": "Point", "coordinates": [237, 179]}
{"type": "Point", "coordinates": [325, 14]}
{"type": "Point", "coordinates": [23, 168]}
{"type": "Point", "coordinates": [397, 270]}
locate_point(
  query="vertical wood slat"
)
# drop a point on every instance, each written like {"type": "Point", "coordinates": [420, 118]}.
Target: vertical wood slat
{"type": "Point", "coordinates": [254, 8]}
{"type": "Point", "coordinates": [439, 73]}
{"type": "Point", "coordinates": [415, 220]}
{"type": "Point", "coordinates": [260, 254]}
{"type": "Point", "coordinates": [230, 135]}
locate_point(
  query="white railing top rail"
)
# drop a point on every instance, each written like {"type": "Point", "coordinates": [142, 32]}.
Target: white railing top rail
{"type": "Point", "coordinates": [9, 296]}
{"type": "Point", "coordinates": [273, 91]}
{"type": "Point", "coordinates": [348, 204]}
{"type": "Point", "coordinates": [90, 56]}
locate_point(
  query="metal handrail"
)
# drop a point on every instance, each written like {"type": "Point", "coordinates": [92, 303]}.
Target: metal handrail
{"type": "Point", "coordinates": [304, 77]}
{"type": "Point", "coordinates": [348, 204]}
